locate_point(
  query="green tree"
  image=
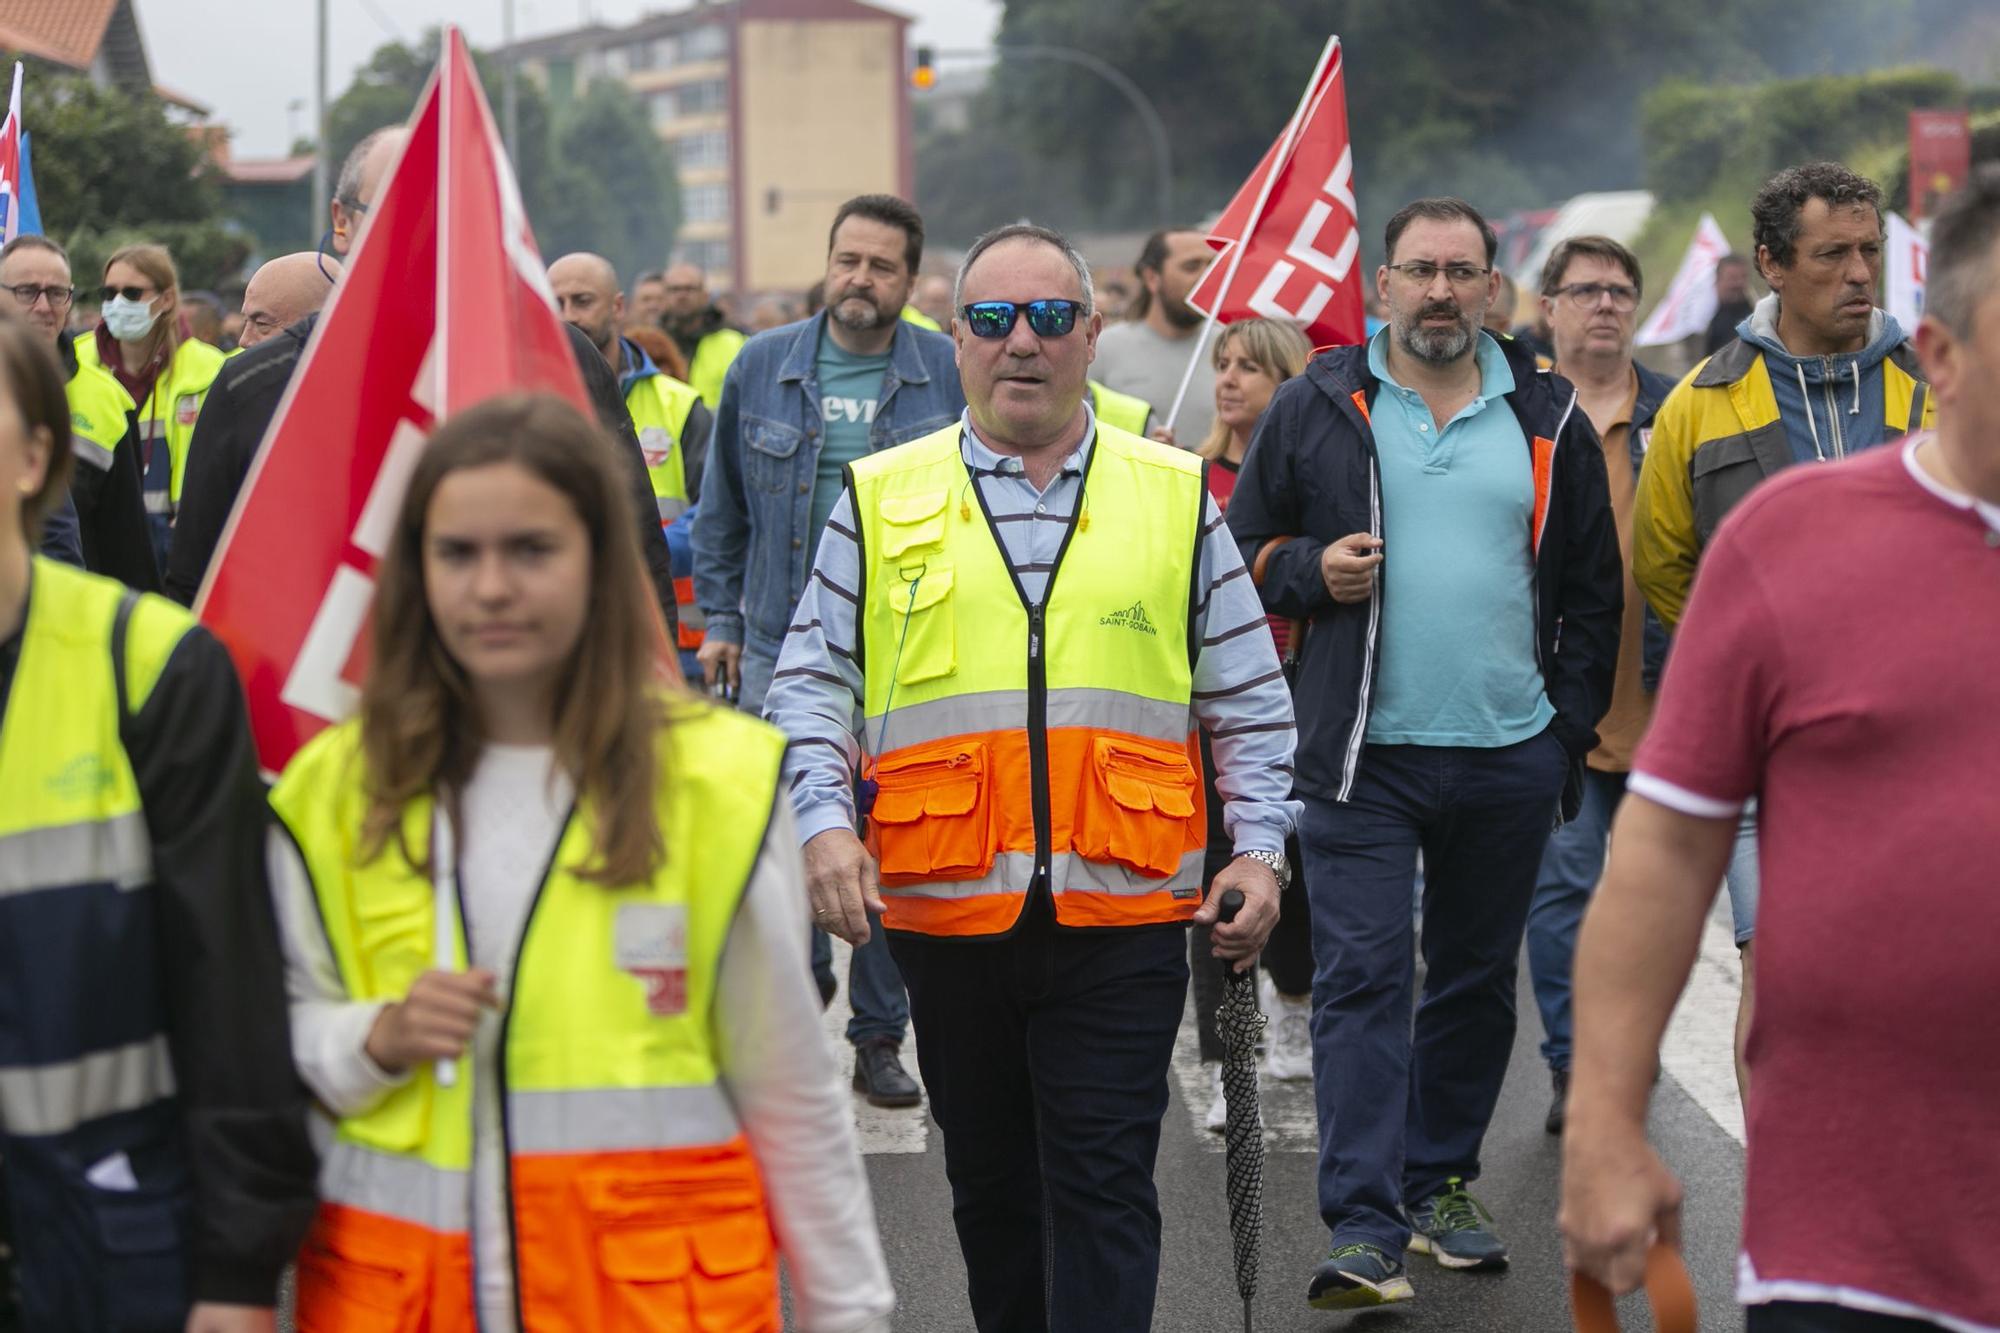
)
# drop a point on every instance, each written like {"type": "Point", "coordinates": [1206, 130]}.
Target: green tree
{"type": "Point", "coordinates": [111, 169]}
{"type": "Point", "coordinates": [594, 177]}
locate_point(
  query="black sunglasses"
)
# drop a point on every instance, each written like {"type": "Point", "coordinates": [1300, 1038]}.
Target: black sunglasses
{"type": "Point", "coordinates": [995, 319]}
{"type": "Point", "coordinates": [129, 293]}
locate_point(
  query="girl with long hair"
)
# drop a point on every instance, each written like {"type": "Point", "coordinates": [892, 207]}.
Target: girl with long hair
{"type": "Point", "coordinates": [1252, 358]}
{"type": "Point", "coordinates": [544, 925]}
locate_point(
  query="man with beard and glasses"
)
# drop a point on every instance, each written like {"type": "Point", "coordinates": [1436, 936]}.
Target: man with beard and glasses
{"type": "Point", "coordinates": [799, 404]}
{"type": "Point", "coordinates": [1439, 710]}
{"type": "Point", "coordinates": [698, 326]}
{"type": "Point", "coordinates": [1147, 355]}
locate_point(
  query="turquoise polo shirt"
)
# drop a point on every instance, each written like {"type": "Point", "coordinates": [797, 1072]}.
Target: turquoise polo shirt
{"type": "Point", "coordinates": [1457, 643]}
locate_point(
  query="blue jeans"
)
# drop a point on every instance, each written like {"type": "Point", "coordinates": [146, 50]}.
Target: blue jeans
{"type": "Point", "coordinates": [1045, 1055]}
{"type": "Point", "coordinates": [874, 987]}
{"type": "Point", "coordinates": [1571, 866]}
{"type": "Point", "coordinates": [1399, 1115]}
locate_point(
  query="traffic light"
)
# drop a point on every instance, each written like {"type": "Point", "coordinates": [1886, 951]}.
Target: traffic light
{"type": "Point", "coordinates": [923, 75]}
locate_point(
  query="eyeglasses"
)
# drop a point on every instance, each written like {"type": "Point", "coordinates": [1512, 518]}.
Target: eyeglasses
{"type": "Point", "coordinates": [28, 293]}
{"type": "Point", "coordinates": [995, 319]}
{"type": "Point", "coordinates": [1586, 295]}
{"type": "Point", "coordinates": [105, 294]}
{"type": "Point", "coordinates": [1423, 273]}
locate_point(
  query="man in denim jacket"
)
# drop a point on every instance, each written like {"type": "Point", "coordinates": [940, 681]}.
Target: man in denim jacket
{"type": "Point", "coordinates": [799, 403]}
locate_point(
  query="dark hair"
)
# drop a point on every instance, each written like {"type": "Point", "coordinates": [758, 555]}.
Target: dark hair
{"type": "Point", "coordinates": [30, 241]}
{"type": "Point", "coordinates": [40, 391]}
{"type": "Point", "coordinates": [420, 729]}
{"type": "Point", "coordinates": [1027, 231]}
{"type": "Point", "coordinates": [1445, 208]}
{"type": "Point", "coordinates": [890, 211]}
{"type": "Point", "coordinates": [1775, 212]}
{"type": "Point", "coordinates": [1734, 257]}
{"type": "Point", "coordinates": [1597, 247]}
{"type": "Point", "coordinates": [1963, 235]}
{"type": "Point", "coordinates": [1152, 257]}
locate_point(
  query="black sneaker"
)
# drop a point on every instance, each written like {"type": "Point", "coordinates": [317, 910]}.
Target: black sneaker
{"type": "Point", "coordinates": [1559, 1108]}
{"type": "Point", "coordinates": [880, 1077]}
{"type": "Point", "coordinates": [1455, 1229]}
{"type": "Point", "coordinates": [1353, 1277]}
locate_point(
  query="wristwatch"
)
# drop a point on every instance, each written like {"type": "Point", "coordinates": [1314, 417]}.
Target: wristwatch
{"type": "Point", "coordinates": [1280, 867]}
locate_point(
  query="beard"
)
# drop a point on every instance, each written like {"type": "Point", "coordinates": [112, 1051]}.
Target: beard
{"type": "Point", "coordinates": [1179, 313]}
{"type": "Point", "coordinates": [856, 313]}
{"type": "Point", "coordinates": [1438, 347]}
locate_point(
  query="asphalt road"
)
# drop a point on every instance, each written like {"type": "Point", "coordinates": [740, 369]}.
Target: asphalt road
{"type": "Point", "coordinates": [1695, 1122]}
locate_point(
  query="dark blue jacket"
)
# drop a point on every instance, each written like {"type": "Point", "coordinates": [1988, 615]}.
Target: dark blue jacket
{"type": "Point", "coordinates": [1312, 477]}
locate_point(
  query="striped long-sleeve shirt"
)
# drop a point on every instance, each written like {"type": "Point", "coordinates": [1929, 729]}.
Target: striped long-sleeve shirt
{"type": "Point", "coordinates": [1239, 694]}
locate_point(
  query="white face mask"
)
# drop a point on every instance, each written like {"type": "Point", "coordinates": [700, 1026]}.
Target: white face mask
{"type": "Point", "coordinates": [128, 321]}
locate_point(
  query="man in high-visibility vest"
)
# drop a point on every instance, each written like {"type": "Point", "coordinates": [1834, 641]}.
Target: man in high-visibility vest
{"type": "Point", "coordinates": [1030, 613]}
{"type": "Point", "coordinates": [697, 326]}
{"type": "Point", "coordinates": [672, 421]}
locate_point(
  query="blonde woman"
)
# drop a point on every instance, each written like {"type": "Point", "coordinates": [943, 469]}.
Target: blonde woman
{"type": "Point", "coordinates": [1252, 358]}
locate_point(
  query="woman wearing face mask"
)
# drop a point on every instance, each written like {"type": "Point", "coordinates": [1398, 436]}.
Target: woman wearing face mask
{"type": "Point", "coordinates": [143, 338]}
{"type": "Point", "coordinates": [1252, 358]}
{"type": "Point", "coordinates": [152, 1131]}
{"type": "Point", "coordinates": [544, 922]}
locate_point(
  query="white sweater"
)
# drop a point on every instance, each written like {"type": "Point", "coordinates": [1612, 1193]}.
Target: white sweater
{"type": "Point", "coordinates": [775, 1061]}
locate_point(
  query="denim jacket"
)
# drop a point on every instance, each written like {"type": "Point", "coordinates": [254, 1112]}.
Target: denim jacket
{"type": "Point", "coordinates": [751, 544]}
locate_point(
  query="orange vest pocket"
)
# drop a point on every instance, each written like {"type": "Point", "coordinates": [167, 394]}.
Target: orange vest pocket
{"type": "Point", "coordinates": [358, 1273]}
{"type": "Point", "coordinates": [933, 814]}
{"type": "Point", "coordinates": [1136, 805]}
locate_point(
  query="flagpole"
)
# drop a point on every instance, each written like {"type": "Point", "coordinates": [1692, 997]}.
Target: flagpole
{"type": "Point", "coordinates": [1242, 243]}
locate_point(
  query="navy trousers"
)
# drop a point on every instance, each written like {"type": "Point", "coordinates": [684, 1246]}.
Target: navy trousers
{"type": "Point", "coordinates": [1399, 1114]}
{"type": "Point", "coordinates": [1045, 1056]}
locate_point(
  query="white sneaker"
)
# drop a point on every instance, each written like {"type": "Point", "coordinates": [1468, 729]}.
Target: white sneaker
{"type": "Point", "coordinates": [1290, 1057]}
{"type": "Point", "coordinates": [1218, 1106]}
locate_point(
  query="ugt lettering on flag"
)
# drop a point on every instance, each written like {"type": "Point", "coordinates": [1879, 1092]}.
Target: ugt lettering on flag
{"type": "Point", "coordinates": [1290, 240]}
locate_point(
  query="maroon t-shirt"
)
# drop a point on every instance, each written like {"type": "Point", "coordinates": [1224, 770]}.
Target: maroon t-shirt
{"type": "Point", "coordinates": [1221, 485]}
{"type": "Point", "coordinates": [1840, 660]}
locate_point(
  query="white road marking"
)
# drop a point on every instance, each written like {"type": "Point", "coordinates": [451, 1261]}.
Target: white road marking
{"type": "Point", "coordinates": [881, 1130]}
{"type": "Point", "coordinates": [1699, 1049]}
{"type": "Point", "coordinates": [1291, 1122]}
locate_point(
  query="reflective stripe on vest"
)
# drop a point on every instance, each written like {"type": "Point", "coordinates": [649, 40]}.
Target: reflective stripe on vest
{"type": "Point", "coordinates": [97, 407]}
{"type": "Point", "coordinates": [1002, 742]}
{"type": "Point", "coordinates": [168, 414]}
{"type": "Point", "coordinates": [619, 1134]}
{"type": "Point", "coordinates": [1120, 409]}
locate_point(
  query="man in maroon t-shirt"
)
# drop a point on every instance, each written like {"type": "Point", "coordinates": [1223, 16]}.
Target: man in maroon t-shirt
{"type": "Point", "coordinates": [1873, 1189]}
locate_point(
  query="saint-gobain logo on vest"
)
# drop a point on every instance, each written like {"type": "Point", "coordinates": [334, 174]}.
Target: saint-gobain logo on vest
{"type": "Point", "coordinates": [1132, 617]}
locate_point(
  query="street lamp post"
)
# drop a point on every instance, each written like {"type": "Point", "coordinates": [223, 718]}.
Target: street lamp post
{"type": "Point", "coordinates": [1149, 115]}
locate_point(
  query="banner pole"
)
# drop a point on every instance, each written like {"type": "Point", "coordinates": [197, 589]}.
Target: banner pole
{"type": "Point", "coordinates": [1236, 249]}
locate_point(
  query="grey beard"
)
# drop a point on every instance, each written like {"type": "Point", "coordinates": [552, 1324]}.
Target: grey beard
{"type": "Point", "coordinates": [857, 322]}
{"type": "Point", "coordinates": [1438, 347]}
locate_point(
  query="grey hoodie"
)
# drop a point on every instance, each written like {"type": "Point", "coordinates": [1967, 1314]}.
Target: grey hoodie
{"type": "Point", "coordinates": [1831, 405]}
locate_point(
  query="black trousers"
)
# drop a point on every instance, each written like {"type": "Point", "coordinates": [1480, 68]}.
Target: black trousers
{"type": "Point", "coordinates": [1045, 1056]}
{"type": "Point", "coordinates": [1812, 1317]}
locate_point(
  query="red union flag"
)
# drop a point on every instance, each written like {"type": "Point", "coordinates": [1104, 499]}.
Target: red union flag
{"type": "Point", "coordinates": [444, 303]}
{"type": "Point", "coordinates": [1290, 239]}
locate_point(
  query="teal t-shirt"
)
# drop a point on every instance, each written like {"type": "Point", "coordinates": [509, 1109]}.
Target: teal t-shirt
{"type": "Point", "coordinates": [850, 387]}
{"type": "Point", "coordinates": [1458, 570]}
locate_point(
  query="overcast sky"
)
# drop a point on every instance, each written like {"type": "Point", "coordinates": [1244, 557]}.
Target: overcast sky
{"type": "Point", "coordinates": [249, 61]}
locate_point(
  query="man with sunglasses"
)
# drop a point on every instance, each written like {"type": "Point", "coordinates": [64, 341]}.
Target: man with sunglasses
{"type": "Point", "coordinates": [1448, 692]}
{"type": "Point", "coordinates": [1031, 611]}
{"type": "Point", "coordinates": [799, 403]}
{"type": "Point", "coordinates": [105, 486]}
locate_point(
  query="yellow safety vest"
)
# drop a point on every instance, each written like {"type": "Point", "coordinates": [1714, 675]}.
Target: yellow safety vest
{"type": "Point", "coordinates": [1120, 409]}
{"type": "Point", "coordinates": [712, 356]}
{"type": "Point", "coordinates": [98, 405]}
{"type": "Point", "coordinates": [1011, 744]}
{"type": "Point", "coordinates": [912, 315]}
{"type": "Point", "coordinates": [634, 1194]}
{"type": "Point", "coordinates": [168, 414]}
{"type": "Point", "coordinates": [660, 406]}
{"type": "Point", "coordinates": [76, 875]}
